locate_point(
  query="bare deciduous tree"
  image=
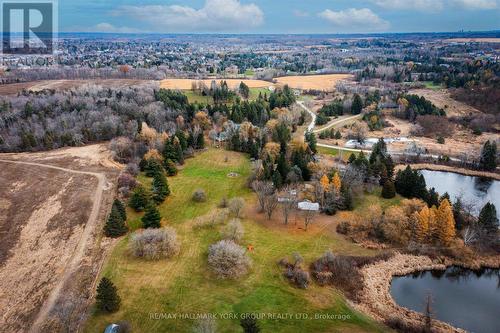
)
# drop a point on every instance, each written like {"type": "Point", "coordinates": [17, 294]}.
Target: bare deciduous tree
{"type": "Point", "coordinates": [288, 202]}
{"type": "Point", "coordinates": [270, 204]}
{"type": "Point", "coordinates": [470, 235]}
{"type": "Point", "coordinates": [263, 189]}
{"type": "Point", "coordinates": [235, 206]}
{"type": "Point", "coordinates": [309, 216]}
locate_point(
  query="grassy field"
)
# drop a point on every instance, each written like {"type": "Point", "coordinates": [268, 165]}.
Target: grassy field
{"type": "Point", "coordinates": [194, 97]}
{"type": "Point", "coordinates": [336, 152]}
{"type": "Point", "coordinates": [185, 285]}
{"type": "Point", "coordinates": [431, 85]}
{"type": "Point", "coordinates": [254, 93]}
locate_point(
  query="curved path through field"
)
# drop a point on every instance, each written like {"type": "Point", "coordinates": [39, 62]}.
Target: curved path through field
{"type": "Point", "coordinates": [77, 256]}
{"type": "Point", "coordinates": [343, 121]}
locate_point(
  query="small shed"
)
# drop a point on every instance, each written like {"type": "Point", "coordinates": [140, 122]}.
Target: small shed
{"type": "Point", "coordinates": [309, 206]}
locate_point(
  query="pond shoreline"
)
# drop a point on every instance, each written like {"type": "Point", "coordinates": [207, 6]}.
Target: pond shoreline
{"type": "Point", "coordinates": [376, 299]}
{"type": "Point", "coordinates": [446, 168]}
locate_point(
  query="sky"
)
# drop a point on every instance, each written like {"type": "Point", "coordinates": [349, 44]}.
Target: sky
{"type": "Point", "coordinates": [278, 16]}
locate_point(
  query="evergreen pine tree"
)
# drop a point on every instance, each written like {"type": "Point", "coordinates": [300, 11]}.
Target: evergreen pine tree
{"type": "Point", "coordinates": [170, 168]}
{"type": "Point", "coordinates": [488, 218]}
{"type": "Point", "coordinates": [277, 179]}
{"type": "Point", "coordinates": [357, 105]}
{"type": "Point", "coordinates": [181, 136]}
{"type": "Point", "coordinates": [169, 151]}
{"type": "Point", "coordinates": [200, 142]}
{"type": "Point", "coordinates": [250, 325]}
{"type": "Point", "coordinates": [458, 214]}
{"type": "Point", "coordinates": [352, 158]}
{"type": "Point", "coordinates": [282, 166]}
{"type": "Point", "coordinates": [118, 205]}
{"type": "Point", "coordinates": [115, 224]}
{"type": "Point", "coordinates": [151, 218]}
{"type": "Point", "coordinates": [388, 190]}
{"type": "Point", "coordinates": [139, 199]}
{"type": "Point", "coordinates": [159, 188]}
{"type": "Point", "coordinates": [107, 298]}
{"type": "Point", "coordinates": [312, 142]}
{"type": "Point", "coordinates": [347, 200]}
{"type": "Point", "coordinates": [488, 160]}
{"type": "Point", "coordinates": [152, 166]}
{"type": "Point", "coordinates": [433, 198]}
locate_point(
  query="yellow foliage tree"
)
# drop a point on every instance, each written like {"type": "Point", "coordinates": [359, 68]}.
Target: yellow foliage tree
{"type": "Point", "coordinates": [433, 224]}
{"type": "Point", "coordinates": [423, 220]}
{"type": "Point", "coordinates": [325, 183]}
{"type": "Point", "coordinates": [337, 183]}
{"type": "Point", "coordinates": [445, 223]}
{"type": "Point", "coordinates": [272, 149]}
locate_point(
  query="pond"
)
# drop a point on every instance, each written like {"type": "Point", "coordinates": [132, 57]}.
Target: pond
{"type": "Point", "coordinates": [475, 190]}
{"type": "Point", "coordinates": [461, 297]}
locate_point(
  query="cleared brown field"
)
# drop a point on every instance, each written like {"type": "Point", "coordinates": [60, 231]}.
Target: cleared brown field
{"type": "Point", "coordinates": [14, 88]}
{"type": "Point", "coordinates": [186, 84]}
{"type": "Point", "coordinates": [442, 99]}
{"type": "Point", "coordinates": [51, 214]}
{"type": "Point", "coordinates": [473, 40]}
{"type": "Point", "coordinates": [316, 82]}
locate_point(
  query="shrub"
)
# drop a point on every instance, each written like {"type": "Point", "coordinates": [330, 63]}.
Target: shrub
{"type": "Point", "coordinates": [132, 169]}
{"type": "Point", "coordinates": [223, 203]}
{"type": "Point", "coordinates": [344, 228]}
{"type": "Point", "coordinates": [228, 260]}
{"type": "Point", "coordinates": [294, 271]}
{"type": "Point", "coordinates": [199, 196]}
{"type": "Point", "coordinates": [233, 231]}
{"type": "Point", "coordinates": [343, 271]}
{"type": "Point", "coordinates": [154, 244]}
{"type": "Point", "coordinates": [250, 325]}
{"type": "Point", "coordinates": [212, 220]}
{"type": "Point", "coordinates": [236, 205]}
{"type": "Point", "coordinates": [127, 180]}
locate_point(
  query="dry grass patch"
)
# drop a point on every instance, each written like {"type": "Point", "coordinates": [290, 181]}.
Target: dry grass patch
{"type": "Point", "coordinates": [314, 82]}
{"type": "Point", "coordinates": [187, 84]}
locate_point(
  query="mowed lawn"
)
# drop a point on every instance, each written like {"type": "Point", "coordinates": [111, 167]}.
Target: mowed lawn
{"type": "Point", "coordinates": [185, 285]}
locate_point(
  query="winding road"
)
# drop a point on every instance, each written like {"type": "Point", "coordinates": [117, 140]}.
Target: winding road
{"type": "Point", "coordinates": [79, 252]}
{"type": "Point", "coordinates": [339, 122]}
{"type": "Point", "coordinates": [336, 123]}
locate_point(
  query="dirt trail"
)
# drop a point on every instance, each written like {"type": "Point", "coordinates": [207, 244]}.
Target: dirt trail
{"type": "Point", "coordinates": [77, 256]}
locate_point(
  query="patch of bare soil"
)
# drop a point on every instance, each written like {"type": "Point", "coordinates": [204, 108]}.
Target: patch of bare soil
{"type": "Point", "coordinates": [15, 88]}
{"type": "Point", "coordinates": [442, 99]}
{"type": "Point", "coordinates": [51, 215]}
{"type": "Point", "coordinates": [461, 142]}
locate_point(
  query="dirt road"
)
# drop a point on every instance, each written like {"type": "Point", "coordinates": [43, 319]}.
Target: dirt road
{"type": "Point", "coordinates": [79, 252]}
